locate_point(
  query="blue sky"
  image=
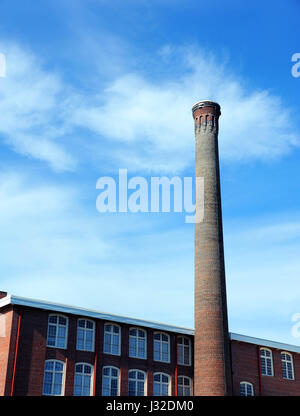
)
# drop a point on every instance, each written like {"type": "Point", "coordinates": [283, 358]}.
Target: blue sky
{"type": "Point", "coordinates": [92, 87]}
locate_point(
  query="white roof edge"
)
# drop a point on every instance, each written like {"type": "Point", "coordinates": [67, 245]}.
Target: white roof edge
{"type": "Point", "coordinates": [74, 310]}
{"type": "Point", "coordinates": [5, 301]}
{"type": "Point", "coordinates": [264, 342]}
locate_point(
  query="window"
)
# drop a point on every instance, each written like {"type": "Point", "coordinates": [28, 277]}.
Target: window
{"type": "Point", "coordinates": [266, 362]}
{"type": "Point", "coordinates": [110, 381]}
{"type": "Point", "coordinates": [83, 379]}
{"type": "Point", "coordinates": [161, 385]}
{"type": "Point", "coordinates": [137, 343]}
{"type": "Point", "coordinates": [161, 347]}
{"type": "Point", "coordinates": [246, 389]}
{"type": "Point", "coordinates": [57, 331]}
{"type": "Point", "coordinates": [53, 378]}
{"type": "Point", "coordinates": [287, 366]}
{"type": "Point", "coordinates": [184, 351]}
{"type": "Point", "coordinates": [136, 383]}
{"type": "Point", "coordinates": [85, 335]}
{"type": "Point", "coordinates": [112, 339]}
{"type": "Point", "coordinates": [184, 386]}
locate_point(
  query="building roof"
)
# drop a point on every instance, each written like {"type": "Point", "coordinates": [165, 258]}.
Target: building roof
{"type": "Point", "coordinates": [90, 313]}
{"type": "Point", "coordinates": [265, 342]}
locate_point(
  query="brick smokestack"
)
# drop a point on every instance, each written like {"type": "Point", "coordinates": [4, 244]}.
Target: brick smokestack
{"type": "Point", "coordinates": [212, 372]}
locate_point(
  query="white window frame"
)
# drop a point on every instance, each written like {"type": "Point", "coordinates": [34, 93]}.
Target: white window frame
{"type": "Point", "coordinates": [169, 383]}
{"type": "Point", "coordinates": [85, 330]}
{"type": "Point", "coordinates": [161, 343]}
{"type": "Point", "coordinates": [119, 335]}
{"type": "Point", "coordinates": [247, 383]}
{"type": "Point", "coordinates": [136, 380]}
{"type": "Point", "coordinates": [137, 338]}
{"type": "Point", "coordinates": [62, 393]}
{"type": "Point", "coordinates": [285, 362]}
{"type": "Point", "coordinates": [266, 359]}
{"type": "Point", "coordinates": [189, 347]}
{"type": "Point", "coordinates": [110, 378]}
{"type": "Point", "coordinates": [190, 385]}
{"type": "Point", "coordinates": [91, 377]}
{"type": "Point", "coordinates": [57, 325]}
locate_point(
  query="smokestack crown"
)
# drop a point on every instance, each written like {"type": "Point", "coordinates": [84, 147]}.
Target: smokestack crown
{"type": "Point", "coordinates": [206, 115]}
{"type": "Point", "coordinates": [207, 107]}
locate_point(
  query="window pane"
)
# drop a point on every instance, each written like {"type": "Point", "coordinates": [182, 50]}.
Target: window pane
{"type": "Point", "coordinates": [87, 369]}
{"type": "Point", "coordinates": [52, 330]}
{"type": "Point", "coordinates": [114, 372]}
{"type": "Point", "coordinates": [62, 321]}
{"type": "Point", "coordinates": [140, 388]}
{"type": "Point", "coordinates": [156, 377]}
{"type": "Point", "coordinates": [140, 375]}
{"type": "Point", "coordinates": [81, 323]}
{"type": "Point", "coordinates": [132, 388]}
{"type": "Point", "coordinates": [164, 390]}
{"type": "Point", "coordinates": [49, 365]}
{"type": "Point", "coordinates": [90, 324]}
{"type": "Point", "coordinates": [58, 366]}
{"type": "Point", "coordinates": [47, 388]}
{"type": "Point", "coordinates": [53, 319]}
{"type": "Point", "coordinates": [132, 347]}
{"type": "Point", "coordinates": [156, 389]}
{"type": "Point", "coordinates": [79, 368]}
{"type": "Point", "coordinates": [186, 356]}
{"type": "Point", "coordinates": [107, 343]}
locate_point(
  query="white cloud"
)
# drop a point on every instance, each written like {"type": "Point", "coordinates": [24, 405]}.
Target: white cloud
{"type": "Point", "coordinates": [55, 248]}
{"type": "Point", "coordinates": [32, 104]}
{"type": "Point", "coordinates": [149, 118]}
{"type": "Point", "coordinates": [156, 116]}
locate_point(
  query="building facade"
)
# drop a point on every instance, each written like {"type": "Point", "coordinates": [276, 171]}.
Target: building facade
{"type": "Point", "coordinates": [58, 350]}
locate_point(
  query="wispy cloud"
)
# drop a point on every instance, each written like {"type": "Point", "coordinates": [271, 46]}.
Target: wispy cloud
{"type": "Point", "coordinates": [156, 115]}
{"type": "Point", "coordinates": [32, 106]}
{"type": "Point", "coordinates": [149, 119]}
{"type": "Point", "coordinates": [51, 242]}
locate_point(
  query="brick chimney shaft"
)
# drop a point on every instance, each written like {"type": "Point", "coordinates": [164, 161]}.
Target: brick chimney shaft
{"type": "Point", "coordinates": [212, 366]}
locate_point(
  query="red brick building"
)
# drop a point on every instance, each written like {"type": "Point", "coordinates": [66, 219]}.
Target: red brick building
{"type": "Point", "coordinates": [53, 349]}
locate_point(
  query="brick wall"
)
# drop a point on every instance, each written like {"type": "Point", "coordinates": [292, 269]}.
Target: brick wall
{"type": "Point", "coordinates": [245, 366]}
{"type": "Point", "coordinates": [33, 352]}
{"type": "Point", "coordinates": [8, 336]}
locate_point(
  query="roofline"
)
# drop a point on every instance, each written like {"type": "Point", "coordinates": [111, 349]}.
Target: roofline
{"type": "Point", "coordinates": [74, 310]}
{"type": "Point", "coordinates": [264, 342]}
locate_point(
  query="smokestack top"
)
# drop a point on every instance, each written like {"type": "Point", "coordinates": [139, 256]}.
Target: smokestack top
{"type": "Point", "coordinates": [214, 107]}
